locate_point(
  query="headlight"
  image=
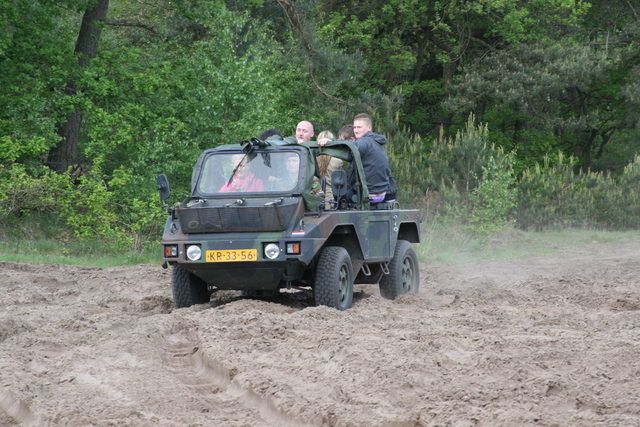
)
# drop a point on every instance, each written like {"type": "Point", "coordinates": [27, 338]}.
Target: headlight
{"type": "Point", "coordinates": [194, 253]}
{"type": "Point", "coordinates": [271, 251]}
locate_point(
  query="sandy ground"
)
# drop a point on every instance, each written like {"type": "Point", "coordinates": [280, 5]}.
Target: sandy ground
{"type": "Point", "coordinates": [546, 341]}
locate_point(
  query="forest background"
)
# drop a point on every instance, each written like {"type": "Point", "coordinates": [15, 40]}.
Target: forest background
{"type": "Point", "coordinates": [500, 113]}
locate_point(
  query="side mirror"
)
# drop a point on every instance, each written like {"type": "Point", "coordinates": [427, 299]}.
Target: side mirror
{"type": "Point", "coordinates": [339, 184]}
{"type": "Point", "coordinates": [163, 187]}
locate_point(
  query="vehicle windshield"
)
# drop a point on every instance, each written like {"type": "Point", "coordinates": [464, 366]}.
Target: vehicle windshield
{"type": "Point", "coordinates": [226, 172]}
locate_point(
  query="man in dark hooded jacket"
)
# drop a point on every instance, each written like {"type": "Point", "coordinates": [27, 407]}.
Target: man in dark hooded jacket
{"type": "Point", "coordinates": [375, 161]}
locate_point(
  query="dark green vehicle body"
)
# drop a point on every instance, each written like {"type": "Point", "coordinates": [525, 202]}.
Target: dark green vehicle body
{"type": "Point", "coordinates": [233, 230]}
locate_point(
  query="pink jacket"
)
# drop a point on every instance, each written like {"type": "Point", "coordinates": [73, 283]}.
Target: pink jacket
{"type": "Point", "coordinates": [246, 185]}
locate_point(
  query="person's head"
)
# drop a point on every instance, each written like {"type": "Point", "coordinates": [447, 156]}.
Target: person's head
{"type": "Point", "coordinates": [267, 133]}
{"type": "Point", "coordinates": [304, 131]}
{"type": "Point", "coordinates": [362, 124]}
{"type": "Point", "coordinates": [346, 133]}
{"type": "Point", "coordinates": [293, 163]}
{"type": "Point", "coordinates": [243, 170]}
{"type": "Point", "coordinates": [325, 134]}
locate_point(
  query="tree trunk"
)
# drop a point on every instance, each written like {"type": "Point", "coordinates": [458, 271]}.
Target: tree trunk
{"type": "Point", "coordinates": [584, 146]}
{"type": "Point", "coordinates": [417, 72]}
{"type": "Point", "coordinates": [64, 153]}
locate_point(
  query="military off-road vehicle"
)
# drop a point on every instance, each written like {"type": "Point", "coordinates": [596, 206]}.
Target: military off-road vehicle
{"type": "Point", "coordinates": [257, 221]}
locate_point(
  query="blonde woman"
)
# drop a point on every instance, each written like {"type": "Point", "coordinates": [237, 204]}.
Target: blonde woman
{"type": "Point", "coordinates": [327, 164]}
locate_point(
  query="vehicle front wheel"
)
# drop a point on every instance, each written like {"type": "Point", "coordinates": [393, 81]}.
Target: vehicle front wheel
{"type": "Point", "coordinates": [334, 279]}
{"type": "Point", "coordinates": [188, 289]}
{"type": "Point", "coordinates": [404, 272]}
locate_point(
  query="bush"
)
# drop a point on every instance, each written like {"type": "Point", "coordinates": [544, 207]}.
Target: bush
{"type": "Point", "coordinates": [21, 192]}
{"type": "Point", "coordinates": [464, 180]}
{"type": "Point", "coordinates": [557, 197]}
{"type": "Point", "coordinates": [88, 204]}
{"type": "Point", "coordinates": [92, 211]}
{"type": "Point", "coordinates": [493, 201]}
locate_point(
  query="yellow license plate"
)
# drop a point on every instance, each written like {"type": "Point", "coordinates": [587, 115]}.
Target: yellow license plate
{"type": "Point", "coordinates": [232, 255]}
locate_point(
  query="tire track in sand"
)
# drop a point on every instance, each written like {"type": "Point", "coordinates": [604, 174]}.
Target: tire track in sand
{"type": "Point", "coordinates": [211, 381]}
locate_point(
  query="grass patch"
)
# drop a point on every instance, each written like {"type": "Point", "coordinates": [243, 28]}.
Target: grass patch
{"type": "Point", "coordinates": [452, 246]}
{"type": "Point", "coordinates": [41, 239]}
{"type": "Point", "coordinates": [89, 253]}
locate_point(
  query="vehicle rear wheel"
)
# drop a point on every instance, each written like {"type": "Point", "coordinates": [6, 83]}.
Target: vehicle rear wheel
{"type": "Point", "coordinates": [334, 278]}
{"type": "Point", "coordinates": [404, 272]}
{"type": "Point", "coordinates": [188, 289]}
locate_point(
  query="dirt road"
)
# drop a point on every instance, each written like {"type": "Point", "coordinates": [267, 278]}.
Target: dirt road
{"type": "Point", "coordinates": [547, 341]}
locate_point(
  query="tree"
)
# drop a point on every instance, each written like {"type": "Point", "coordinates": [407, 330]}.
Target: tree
{"type": "Point", "coordinates": [420, 45]}
{"type": "Point", "coordinates": [572, 95]}
{"type": "Point", "coordinates": [174, 81]}
{"type": "Point", "coordinates": [34, 64]}
{"type": "Point", "coordinates": [63, 154]}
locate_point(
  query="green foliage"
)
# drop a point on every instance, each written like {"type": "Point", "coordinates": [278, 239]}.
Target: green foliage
{"type": "Point", "coordinates": [89, 207]}
{"type": "Point", "coordinates": [42, 238]}
{"type": "Point", "coordinates": [91, 210]}
{"type": "Point", "coordinates": [406, 160]}
{"type": "Point", "coordinates": [155, 107]}
{"type": "Point", "coordinates": [624, 145]}
{"type": "Point", "coordinates": [394, 33]}
{"type": "Point", "coordinates": [570, 94]}
{"type": "Point", "coordinates": [22, 193]}
{"type": "Point", "coordinates": [232, 95]}
{"type": "Point", "coordinates": [456, 163]}
{"type": "Point", "coordinates": [514, 132]}
{"type": "Point", "coordinates": [13, 151]}
{"type": "Point", "coordinates": [36, 48]}
{"type": "Point", "coordinates": [464, 179]}
{"type": "Point", "coordinates": [494, 200]}
{"type": "Point", "coordinates": [553, 196]}
{"type": "Point", "coordinates": [471, 183]}
{"type": "Point", "coordinates": [412, 42]}
{"type": "Point", "coordinates": [172, 78]}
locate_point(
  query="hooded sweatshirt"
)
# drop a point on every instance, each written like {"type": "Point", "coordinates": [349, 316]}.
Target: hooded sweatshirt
{"type": "Point", "coordinates": [374, 162]}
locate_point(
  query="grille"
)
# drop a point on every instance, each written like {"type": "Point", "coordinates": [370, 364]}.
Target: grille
{"type": "Point", "coordinates": [235, 218]}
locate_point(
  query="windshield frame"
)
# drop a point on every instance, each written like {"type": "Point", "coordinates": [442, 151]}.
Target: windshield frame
{"type": "Point", "coordinates": [265, 159]}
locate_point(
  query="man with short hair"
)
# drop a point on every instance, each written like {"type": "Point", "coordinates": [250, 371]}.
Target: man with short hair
{"type": "Point", "coordinates": [289, 180]}
{"type": "Point", "coordinates": [346, 133]}
{"type": "Point", "coordinates": [304, 132]}
{"type": "Point", "coordinates": [362, 124]}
